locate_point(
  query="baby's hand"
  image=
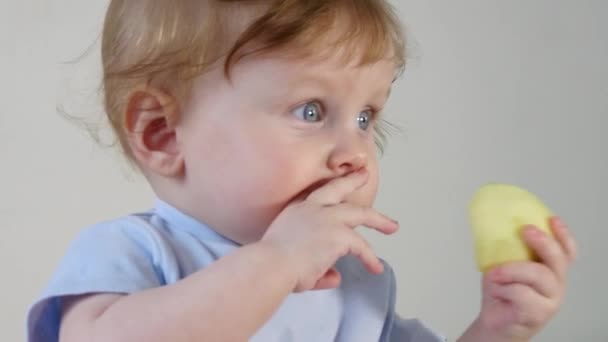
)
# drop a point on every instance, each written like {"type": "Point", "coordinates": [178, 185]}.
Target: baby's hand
{"type": "Point", "coordinates": [313, 234]}
{"type": "Point", "coordinates": [520, 298]}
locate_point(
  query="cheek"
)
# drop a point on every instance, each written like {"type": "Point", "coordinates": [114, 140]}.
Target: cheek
{"type": "Point", "coordinates": [268, 172]}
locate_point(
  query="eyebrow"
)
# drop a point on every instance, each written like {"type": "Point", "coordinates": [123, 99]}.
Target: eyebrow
{"type": "Point", "coordinates": [312, 80]}
{"type": "Point", "coordinates": [325, 83]}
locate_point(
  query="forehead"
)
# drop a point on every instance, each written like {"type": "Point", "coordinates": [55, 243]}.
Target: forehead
{"type": "Point", "coordinates": [279, 80]}
{"type": "Point", "coordinates": [347, 73]}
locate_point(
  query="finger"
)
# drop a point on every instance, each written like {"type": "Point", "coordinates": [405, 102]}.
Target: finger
{"type": "Point", "coordinates": [514, 293]}
{"type": "Point", "coordinates": [564, 237]}
{"type": "Point", "coordinates": [533, 274]}
{"type": "Point", "coordinates": [336, 190]}
{"type": "Point", "coordinates": [360, 248]}
{"type": "Point", "coordinates": [548, 250]}
{"type": "Point", "coordinates": [354, 216]}
{"type": "Point", "coordinates": [330, 280]}
{"type": "Point", "coordinates": [529, 308]}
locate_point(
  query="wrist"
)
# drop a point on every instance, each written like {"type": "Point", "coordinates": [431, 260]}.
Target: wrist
{"type": "Point", "coordinates": [282, 269]}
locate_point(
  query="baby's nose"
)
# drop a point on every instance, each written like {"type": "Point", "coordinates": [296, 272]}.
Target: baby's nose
{"type": "Point", "coordinates": [348, 159]}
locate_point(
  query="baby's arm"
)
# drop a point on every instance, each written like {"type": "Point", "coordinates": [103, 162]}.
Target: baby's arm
{"type": "Point", "coordinates": [228, 301]}
{"type": "Point", "coordinates": [236, 295]}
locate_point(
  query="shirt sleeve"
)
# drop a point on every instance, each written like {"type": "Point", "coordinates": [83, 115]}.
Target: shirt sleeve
{"type": "Point", "coordinates": [397, 329]}
{"type": "Point", "coordinates": [115, 257]}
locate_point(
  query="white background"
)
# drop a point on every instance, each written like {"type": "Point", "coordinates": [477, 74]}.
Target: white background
{"type": "Point", "coordinates": [509, 91]}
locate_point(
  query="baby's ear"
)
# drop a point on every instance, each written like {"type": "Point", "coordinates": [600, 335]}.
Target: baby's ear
{"type": "Point", "coordinates": [149, 124]}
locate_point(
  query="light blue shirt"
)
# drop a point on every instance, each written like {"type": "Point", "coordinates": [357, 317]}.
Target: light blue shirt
{"type": "Point", "coordinates": [161, 246]}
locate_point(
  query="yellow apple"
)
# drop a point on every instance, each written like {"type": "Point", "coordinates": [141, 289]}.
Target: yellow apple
{"type": "Point", "coordinates": [498, 213]}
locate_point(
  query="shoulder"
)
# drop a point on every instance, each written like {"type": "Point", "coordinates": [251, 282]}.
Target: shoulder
{"type": "Point", "coordinates": [113, 256]}
{"type": "Point", "coordinates": [127, 233]}
{"type": "Point", "coordinates": [118, 255]}
{"type": "Point", "coordinates": [133, 227]}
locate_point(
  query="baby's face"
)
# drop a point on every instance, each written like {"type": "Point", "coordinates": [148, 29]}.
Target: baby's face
{"type": "Point", "coordinates": [277, 130]}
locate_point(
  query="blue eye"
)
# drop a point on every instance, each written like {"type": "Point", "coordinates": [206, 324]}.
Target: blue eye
{"type": "Point", "coordinates": [310, 111]}
{"type": "Point", "coordinates": [364, 119]}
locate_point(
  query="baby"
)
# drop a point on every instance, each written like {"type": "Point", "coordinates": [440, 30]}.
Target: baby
{"type": "Point", "coordinates": [257, 124]}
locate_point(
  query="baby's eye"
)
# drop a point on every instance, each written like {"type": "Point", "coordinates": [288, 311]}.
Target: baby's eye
{"type": "Point", "coordinates": [364, 119]}
{"type": "Point", "coordinates": [310, 111]}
